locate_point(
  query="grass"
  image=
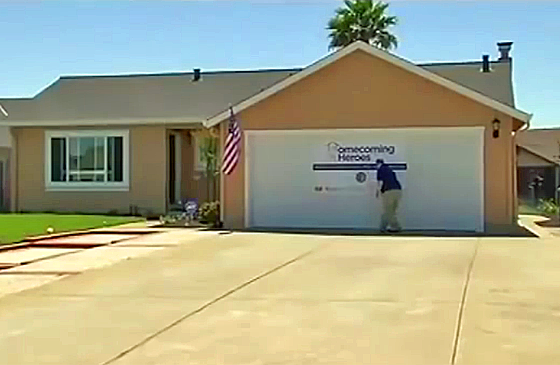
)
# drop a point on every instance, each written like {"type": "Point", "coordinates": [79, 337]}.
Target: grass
{"type": "Point", "coordinates": [16, 227]}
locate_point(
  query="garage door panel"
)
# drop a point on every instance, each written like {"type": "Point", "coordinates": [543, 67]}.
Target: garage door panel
{"type": "Point", "coordinates": [442, 185]}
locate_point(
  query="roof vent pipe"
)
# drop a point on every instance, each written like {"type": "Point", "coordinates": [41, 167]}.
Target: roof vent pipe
{"type": "Point", "coordinates": [504, 48]}
{"type": "Point", "coordinates": [485, 63]}
{"type": "Point", "coordinates": [196, 74]}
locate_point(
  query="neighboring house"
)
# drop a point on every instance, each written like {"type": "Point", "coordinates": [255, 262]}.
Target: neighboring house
{"type": "Point", "coordinates": [538, 158]}
{"type": "Point", "coordinates": [109, 143]}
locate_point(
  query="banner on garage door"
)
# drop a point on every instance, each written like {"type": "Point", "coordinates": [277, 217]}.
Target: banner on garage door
{"type": "Point", "coordinates": [350, 168]}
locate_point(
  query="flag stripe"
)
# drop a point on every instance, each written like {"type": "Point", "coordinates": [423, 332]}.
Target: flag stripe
{"type": "Point", "coordinates": [232, 145]}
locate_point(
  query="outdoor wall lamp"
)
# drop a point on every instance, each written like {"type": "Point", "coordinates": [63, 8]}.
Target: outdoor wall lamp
{"type": "Point", "coordinates": [495, 128]}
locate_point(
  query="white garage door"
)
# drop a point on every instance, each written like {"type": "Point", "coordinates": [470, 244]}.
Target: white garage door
{"type": "Point", "coordinates": [326, 178]}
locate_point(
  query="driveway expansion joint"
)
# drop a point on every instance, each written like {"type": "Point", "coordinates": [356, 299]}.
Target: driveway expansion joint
{"type": "Point", "coordinates": [462, 305]}
{"type": "Point", "coordinates": [210, 303]}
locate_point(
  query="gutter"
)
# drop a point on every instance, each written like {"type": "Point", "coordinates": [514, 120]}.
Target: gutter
{"type": "Point", "coordinates": [170, 122]}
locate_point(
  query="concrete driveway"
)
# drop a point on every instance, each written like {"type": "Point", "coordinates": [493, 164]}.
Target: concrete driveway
{"type": "Point", "coordinates": [258, 298]}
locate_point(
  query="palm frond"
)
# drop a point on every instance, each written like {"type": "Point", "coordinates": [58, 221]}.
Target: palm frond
{"type": "Point", "coordinates": [362, 20]}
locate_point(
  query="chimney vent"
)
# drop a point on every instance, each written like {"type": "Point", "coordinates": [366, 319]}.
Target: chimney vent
{"type": "Point", "coordinates": [196, 74]}
{"type": "Point", "coordinates": [485, 63]}
{"type": "Point", "coordinates": [504, 48]}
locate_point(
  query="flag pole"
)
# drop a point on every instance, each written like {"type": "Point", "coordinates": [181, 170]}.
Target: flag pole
{"type": "Point", "coordinates": [222, 175]}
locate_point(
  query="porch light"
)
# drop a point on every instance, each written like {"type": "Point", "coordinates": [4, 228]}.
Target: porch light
{"type": "Point", "coordinates": [496, 128]}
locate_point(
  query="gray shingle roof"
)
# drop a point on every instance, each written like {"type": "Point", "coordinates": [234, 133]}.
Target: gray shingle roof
{"type": "Point", "coordinates": [175, 96]}
{"type": "Point", "coordinates": [496, 84]}
{"type": "Point", "coordinates": [545, 142]}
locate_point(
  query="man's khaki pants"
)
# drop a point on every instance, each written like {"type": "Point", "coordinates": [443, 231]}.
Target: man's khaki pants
{"type": "Point", "coordinates": [391, 200]}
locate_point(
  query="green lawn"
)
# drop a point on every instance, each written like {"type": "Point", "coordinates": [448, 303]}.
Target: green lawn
{"type": "Point", "coordinates": [16, 227]}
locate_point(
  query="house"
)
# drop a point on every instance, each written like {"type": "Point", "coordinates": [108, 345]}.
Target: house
{"type": "Point", "coordinates": [538, 157]}
{"type": "Point", "coordinates": [127, 143]}
{"type": "Point", "coordinates": [130, 143]}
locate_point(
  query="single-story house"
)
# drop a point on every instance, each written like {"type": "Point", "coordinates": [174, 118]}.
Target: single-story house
{"type": "Point", "coordinates": [310, 136]}
{"type": "Point", "coordinates": [538, 164]}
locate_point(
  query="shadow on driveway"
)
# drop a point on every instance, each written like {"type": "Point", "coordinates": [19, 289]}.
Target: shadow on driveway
{"type": "Point", "coordinates": [515, 231]}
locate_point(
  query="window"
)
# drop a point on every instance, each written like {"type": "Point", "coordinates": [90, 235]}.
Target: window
{"type": "Point", "coordinates": [87, 159]}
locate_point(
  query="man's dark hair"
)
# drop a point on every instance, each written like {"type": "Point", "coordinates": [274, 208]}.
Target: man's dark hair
{"type": "Point", "coordinates": [379, 160]}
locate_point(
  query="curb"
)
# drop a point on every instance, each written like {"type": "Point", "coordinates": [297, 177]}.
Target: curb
{"type": "Point", "coordinates": [14, 246]}
{"type": "Point", "coordinates": [532, 226]}
{"type": "Point", "coordinates": [30, 240]}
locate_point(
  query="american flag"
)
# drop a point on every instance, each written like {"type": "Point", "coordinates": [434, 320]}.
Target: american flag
{"type": "Point", "coordinates": [233, 145]}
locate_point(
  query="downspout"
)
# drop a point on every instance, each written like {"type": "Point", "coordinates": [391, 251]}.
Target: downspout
{"type": "Point", "coordinates": [527, 124]}
{"type": "Point", "coordinates": [525, 127]}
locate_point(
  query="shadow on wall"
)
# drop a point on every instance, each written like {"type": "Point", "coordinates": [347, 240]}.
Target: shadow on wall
{"type": "Point", "coordinates": [4, 182]}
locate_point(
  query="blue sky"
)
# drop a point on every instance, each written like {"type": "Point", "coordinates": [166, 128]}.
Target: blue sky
{"type": "Point", "coordinates": [42, 40]}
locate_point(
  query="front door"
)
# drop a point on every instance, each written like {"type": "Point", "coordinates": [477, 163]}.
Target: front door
{"type": "Point", "coordinates": [174, 168]}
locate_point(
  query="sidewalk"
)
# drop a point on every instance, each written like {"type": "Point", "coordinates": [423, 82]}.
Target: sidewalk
{"type": "Point", "coordinates": [32, 267]}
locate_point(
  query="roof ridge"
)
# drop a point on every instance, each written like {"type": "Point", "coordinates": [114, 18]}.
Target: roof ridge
{"type": "Point", "coordinates": [180, 73]}
{"type": "Point", "coordinates": [213, 72]}
{"type": "Point", "coordinates": [458, 63]}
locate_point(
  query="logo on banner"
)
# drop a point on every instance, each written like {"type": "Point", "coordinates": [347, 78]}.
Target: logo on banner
{"type": "Point", "coordinates": [361, 177]}
{"type": "Point", "coordinates": [358, 153]}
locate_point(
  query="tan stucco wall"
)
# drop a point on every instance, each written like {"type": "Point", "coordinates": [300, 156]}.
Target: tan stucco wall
{"type": "Point", "coordinates": [147, 177]}
{"type": "Point", "coordinates": [360, 91]}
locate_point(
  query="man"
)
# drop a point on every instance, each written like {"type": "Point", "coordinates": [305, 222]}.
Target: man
{"type": "Point", "coordinates": [391, 192]}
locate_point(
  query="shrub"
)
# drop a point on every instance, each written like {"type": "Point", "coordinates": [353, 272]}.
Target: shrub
{"type": "Point", "coordinates": [548, 207]}
{"type": "Point", "coordinates": [209, 212]}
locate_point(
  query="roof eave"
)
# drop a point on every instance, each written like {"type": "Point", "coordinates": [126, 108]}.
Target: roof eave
{"type": "Point", "coordinates": [539, 155]}
{"type": "Point", "coordinates": [194, 122]}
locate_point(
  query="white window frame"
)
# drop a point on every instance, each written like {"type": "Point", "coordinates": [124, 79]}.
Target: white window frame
{"type": "Point", "coordinates": [86, 185]}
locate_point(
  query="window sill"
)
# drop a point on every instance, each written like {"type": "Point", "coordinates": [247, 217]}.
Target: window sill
{"type": "Point", "coordinates": [87, 188]}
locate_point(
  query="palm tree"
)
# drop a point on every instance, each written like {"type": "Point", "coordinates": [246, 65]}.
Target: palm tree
{"type": "Point", "coordinates": [362, 20]}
